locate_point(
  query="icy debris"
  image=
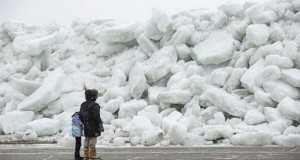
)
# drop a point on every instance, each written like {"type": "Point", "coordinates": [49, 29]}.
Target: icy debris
{"type": "Point", "coordinates": [252, 138]}
{"type": "Point", "coordinates": [287, 140]}
{"type": "Point", "coordinates": [182, 34]}
{"type": "Point", "coordinates": [269, 73]}
{"type": "Point", "coordinates": [279, 90]}
{"type": "Point", "coordinates": [226, 101]}
{"type": "Point", "coordinates": [47, 93]}
{"type": "Point", "coordinates": [24, 86]}
{"type": "Point", "coordinates": [43, 127]}
{"type": "Point", "coordinates": [131, 108]}
{"type": "Point", "coordinates": [280, 61]}
{"type": "Point", "coordinates": [159, 64]}
{"type": "Point", "coordinates": [114, 104]}
{"type": "Point", "coordinates": [221, 52]}
{"type": "Point", "coordinates": [213, 132]}
{"type": "Point", "coordinates": [258, 33]}
{"type": "Point", "coordinates": [290, 108]}
{"type": "Point", "coordinates": [29, 135]}
{"type": "Point", "coordinates": [292, 76]}
{"type": "Point", "coordinates": [254, 117]}
{"type": "Point", "coordinates": [177, 96]}
{"type": "Point", "coordinates": [137, 81]}
{"type": "Point", "coordinates": [11, 121]}
{"type": "Point", "coordinates": [229, 76]}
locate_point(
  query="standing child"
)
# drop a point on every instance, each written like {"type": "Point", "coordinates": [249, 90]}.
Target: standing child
{"type": "Point", "coordinates": [77, 129]}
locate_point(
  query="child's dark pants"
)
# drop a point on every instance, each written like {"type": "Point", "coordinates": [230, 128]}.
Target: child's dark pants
{"type": "Point", "coordinates": [77, 146]}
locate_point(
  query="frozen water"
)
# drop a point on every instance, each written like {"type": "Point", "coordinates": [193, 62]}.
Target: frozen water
{"type": "Point", "coordinates": [47, 93]}
{"type": "Point", "coordinates": [199, 77]}
{"type": "Point", "coordinates": [221, 52]}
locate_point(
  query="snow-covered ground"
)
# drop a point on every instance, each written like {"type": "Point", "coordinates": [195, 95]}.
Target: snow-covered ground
{"type": "Point", "coordinates": [200, 77]}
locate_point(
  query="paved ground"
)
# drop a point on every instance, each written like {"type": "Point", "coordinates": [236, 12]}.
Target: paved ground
{"type": "Point", "coordinates": [53, 152]}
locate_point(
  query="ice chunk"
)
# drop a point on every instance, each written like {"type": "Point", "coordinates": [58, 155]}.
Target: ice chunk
{"type": "Point", "coordinates": [147, 45]}
{"type": "Point", "coordinates": [113, 105]}
{"type": "Point", "coordinates": [160, 63]}
{"type": "Point", "coordinates": [131, 108]}
{"type": "Point", "coordinates": [115, 92]}
{"type": "Point", "coordinates": [289, 108]}
{"type": "Point", "coordinates": [292, 76]}
{"type": "Point", "coordinates": [194, 140]}
{"type": "Point", "coordinates": [155, 118]}
{"type": "Point", "coordinates": [292, 130]}
{"type": "Point", "coordinates": [231, 9]}
{"type": "Point", "coordinates": [22, 65]}
{"type": "Point", "coordinates": [272, 114]}
{"type": "Point", "coordinates": [264, 17]}
{"type": "Point", "coordinates": [287, 140]}
{"type": "Point", "coordinates": [222, 51]}
{"type": "Point", "coordinates": [279, 125]}
{"type": "Point", "coordinates": [290, 49]}
{"type": "Point", "coordinates": [275, 48]}
{"type": "Point", "coordinates": [219, 18]}
{"type": "Point", "coordinates": [122, 33]}
{"type": "Point", "coordinates": [137, 81]}
{"type": "Point", "coordinates": [10, 121]}
{"type": "Point", "coordinates": [192, 108]}
{"type": "Point", "coordinates": [151, 137]}
{"type": "Point", "coordinates": [34, 46]}
{"type": "Point", "coordinates": [219, 77]}
{"type": "Point", "coordinates": [138, 125]}
{"type": "Point", "coordinates": [262, 97]}
{"type": "Point", "coordinates": [106, 116]}
{"type": "Point", "coordinates": [24, 86]}
{"type": "Point", "coordinates": [118, 79]}
{"type": "Point", "coordinates": [171, 120]}
{"type": "Point", "coordinates": [226, 102]}
{"type": "Point", "coordinates": [43, 127]}
{"type": "Point", "coordinates": [248, 79]}
{"type": "Point", "coordinates": [213, 132]}
{"type": "Point", "coordinates": [258, 33]}
{"type": "Point", "coordinates": [252, 138]}
{"type": "Point", "coordinates": [218, 119]}
{"type": "Point", "coordinates": [243, 59]}
{"type": "Point", "coordinates": [183, 51]}
{"type": "Point", "coordinates": [29, 135]}
{"type": "Point", "coordinates": [47, 93]}
{"type": "Point", "coordinates": [233, 81]}
{"type": "Point", "coordinates": [277, 34]}
{"type": "Point", "coordinates": [153, 93]}
{"type": "Point", "coordinates": [161, 20]}
{"type": "Point", "coordinates": [208, 112]}
{"type": "Point", "coordinates": [254, 117]}
{"type": "Point", "coordinates": [6, 72]}
{"type": "Point", "coordinates": [279, 89]}
{"type": "Point", "coordinates": [296, 17]}
{"type": "Point", "coordinates": [280, 61]}
{"type": "Point", "coordinates": [182, 34]}
{"type": "Point", "coordinates": [269, 73]}
{"type": "Point", "coordinates": [177, 96]}
{"type": "Point", "coordinates": [177, 134]}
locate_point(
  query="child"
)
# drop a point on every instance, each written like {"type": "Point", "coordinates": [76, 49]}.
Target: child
{"type": "Point", "coordinates": [77, 129]}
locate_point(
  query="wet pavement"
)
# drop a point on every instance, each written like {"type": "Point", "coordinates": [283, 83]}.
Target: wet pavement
{"type": "Point", "coordinates": [54, 152]}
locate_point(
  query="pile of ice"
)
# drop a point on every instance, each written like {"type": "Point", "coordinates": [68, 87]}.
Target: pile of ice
{"type": "Point", "coordinates": [230, 76]}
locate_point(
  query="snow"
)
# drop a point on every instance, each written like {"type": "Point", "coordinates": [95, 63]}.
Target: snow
{"type": "Point", "coordinates": [198, 77]}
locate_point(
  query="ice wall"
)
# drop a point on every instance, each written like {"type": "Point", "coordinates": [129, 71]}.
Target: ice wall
{"type": "Point", "coordinates": [200, 77]}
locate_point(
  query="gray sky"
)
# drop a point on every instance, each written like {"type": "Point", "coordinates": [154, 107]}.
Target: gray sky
{"type": "Point", "coordinates": [42, 11]}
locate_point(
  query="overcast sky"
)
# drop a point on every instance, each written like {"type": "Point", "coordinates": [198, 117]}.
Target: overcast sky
{"type": "Point", "coordinates": [42, 11]}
